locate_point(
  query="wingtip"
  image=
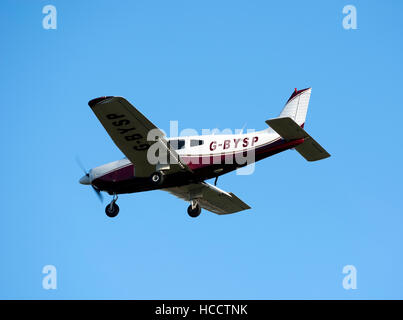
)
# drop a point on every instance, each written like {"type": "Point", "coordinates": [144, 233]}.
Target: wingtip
{"type": "Point", "coordinates": [95, 101]}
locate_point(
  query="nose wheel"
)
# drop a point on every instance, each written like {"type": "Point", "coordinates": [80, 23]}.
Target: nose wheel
{"type": "Point", "coordinates": [194, 209]}
{"type": "Point", "coordinates": [112, 209]}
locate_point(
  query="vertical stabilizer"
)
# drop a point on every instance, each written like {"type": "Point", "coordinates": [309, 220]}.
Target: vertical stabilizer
{"type": "Point", "coordinates": [297, 106]}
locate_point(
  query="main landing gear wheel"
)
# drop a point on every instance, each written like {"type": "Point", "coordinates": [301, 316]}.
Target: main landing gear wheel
{"type": "Point", "coordinates": [157, 178]}
{"type": "Point", "coordinates": [112, 209]}
{"type": "Point", "coordinates": [194, 210]}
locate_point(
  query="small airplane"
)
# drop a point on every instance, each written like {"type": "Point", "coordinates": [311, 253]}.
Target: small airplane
{"type": "Point", "coordinates": [180, 165]}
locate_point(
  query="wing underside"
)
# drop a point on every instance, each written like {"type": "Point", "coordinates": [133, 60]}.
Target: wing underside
{"type": "Point", "coordinates": [129, 130]}
{"type": "Point", "coordinates": [209, 197]}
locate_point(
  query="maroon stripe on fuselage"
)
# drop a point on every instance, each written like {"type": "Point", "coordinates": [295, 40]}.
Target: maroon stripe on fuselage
{"type": "Point", "coordinates": [203, 161]}
{"type": "Point", "coordinates": [123, 173]}
{"type": "Point", "coordinates": [122, 180]}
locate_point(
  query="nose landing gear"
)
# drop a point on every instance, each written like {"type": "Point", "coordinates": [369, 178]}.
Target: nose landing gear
{"type": "Point", "coordinates": [112, 209]}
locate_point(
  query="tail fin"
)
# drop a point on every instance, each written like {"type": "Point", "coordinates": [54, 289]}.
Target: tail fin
{"type": "Point", "coordinates": [297, 106]}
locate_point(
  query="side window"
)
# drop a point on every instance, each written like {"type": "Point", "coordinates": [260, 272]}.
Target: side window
{"type": "Point", "coordinates": [177, 144]}
{"type": "Point", "coordinates": [194, 143]}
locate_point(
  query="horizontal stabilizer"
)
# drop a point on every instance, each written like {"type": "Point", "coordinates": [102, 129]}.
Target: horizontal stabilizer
{"type": "Point", "coordinates": [289, 130]}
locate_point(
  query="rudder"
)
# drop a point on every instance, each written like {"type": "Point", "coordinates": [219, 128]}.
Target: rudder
{"type": "Point", "coordinates": [296, 107]}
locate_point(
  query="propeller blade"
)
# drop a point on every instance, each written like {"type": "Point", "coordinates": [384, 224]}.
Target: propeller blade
{"type": "Point", "coordinates": [99, 194]}
{"type": "Point", "coordinates": [80, 164]}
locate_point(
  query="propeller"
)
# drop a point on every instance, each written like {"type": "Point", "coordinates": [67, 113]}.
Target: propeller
{"type": "Point", "coordinates": [87, 174]}
{"type": "Point", "coordinates": [98, 193]}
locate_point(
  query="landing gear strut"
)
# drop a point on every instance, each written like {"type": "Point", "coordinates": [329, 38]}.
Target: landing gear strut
{"type": "Point", "coordinates": [194, 209]}
{"type": "Point", "coordinates": [112, 209]}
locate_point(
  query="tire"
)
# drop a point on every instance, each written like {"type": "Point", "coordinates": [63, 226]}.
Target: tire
{"type": "Point", "coordinates": [194, 213]}
{"type": "Point", "coordinates": [157, 178]}
{"type": "Point", "coordinates": [112, 212]}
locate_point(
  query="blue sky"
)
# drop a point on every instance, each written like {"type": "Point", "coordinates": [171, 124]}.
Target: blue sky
{"type": "Point", "coordinates": [207, 64]}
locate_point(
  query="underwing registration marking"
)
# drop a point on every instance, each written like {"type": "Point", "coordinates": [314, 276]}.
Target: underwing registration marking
{"type": "Point", "coordinates": [128, 131]}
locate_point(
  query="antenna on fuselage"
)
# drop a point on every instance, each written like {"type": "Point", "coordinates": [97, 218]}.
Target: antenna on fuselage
{"type": "Point", "coordinates": [243, 128]}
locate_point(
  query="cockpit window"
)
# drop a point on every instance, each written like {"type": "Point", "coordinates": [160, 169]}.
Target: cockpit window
{"type": "Point", "coordinates": [177, 144]}
{"type": "Point", "coordinates": [194, 143]}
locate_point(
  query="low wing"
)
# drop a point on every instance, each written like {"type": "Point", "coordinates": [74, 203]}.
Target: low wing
{"type": "Point", "coordinates": [209, 197]}
{"type": "Point", "coordinates": [128, 129]}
